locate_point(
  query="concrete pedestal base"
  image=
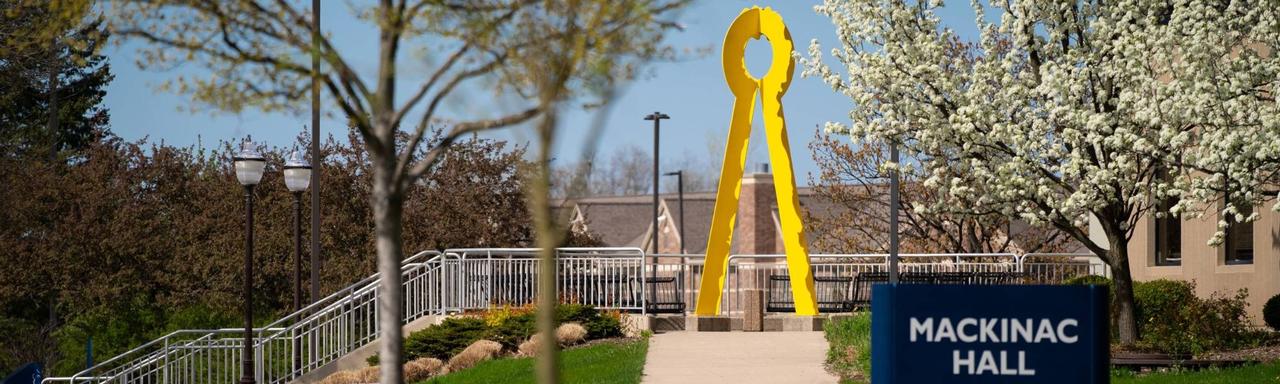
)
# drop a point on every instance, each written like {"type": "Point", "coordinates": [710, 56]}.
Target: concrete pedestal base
{"type": "Point", "coordinates": [793, 323]}
{"type": "Point", "coordinates": [753, 311]}
{"type": "Point", "coordinates": [707, 323]}
{"type": "Point", "coordinates": [666, 323]}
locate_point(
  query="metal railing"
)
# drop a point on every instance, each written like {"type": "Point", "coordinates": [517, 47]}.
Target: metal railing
{"type": "Point", "coordinates": [753, 271]}
{"type": "Point", "coordinates": [459, 280]}
{"type": "Point", "coordinates": [283, 350]}
{"type": "Point", "coordinates": [606, 278]}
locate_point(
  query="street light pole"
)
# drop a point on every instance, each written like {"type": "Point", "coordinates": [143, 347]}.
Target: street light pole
{"type": "Point", "coordinates": [680, 193]}
{"type": "Point", "coordinates": [893, 213]}
{"type": "Point", "coordinates": [247, 375]}
{"type": "Point", "coordinates": [657, 118]}
{"type": "Point", "coordinates": [315, 149]}
{"type": "Point", "coordinates": [249, 165]}
{"type": "Point", "coordinates": [297, 177]}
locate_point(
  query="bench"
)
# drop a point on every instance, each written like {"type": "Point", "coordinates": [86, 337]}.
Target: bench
{"type": "Point", "coordinates": [832, 292]}
{"type": "Point", "coordinates": [666, 295]}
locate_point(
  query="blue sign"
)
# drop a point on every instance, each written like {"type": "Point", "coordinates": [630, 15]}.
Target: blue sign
{"type": "Point", "coordinates": [28, 374]}
{"type": "Point", "coordinates": [925, 333]}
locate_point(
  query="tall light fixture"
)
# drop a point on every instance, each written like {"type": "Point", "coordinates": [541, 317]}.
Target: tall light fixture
{"type": "Point", "coordinates": [657, 118]}
{"type": "Point", "coordinates": [249, 165]}
{"type": "Point", "coordinates": [297, 177]}
{"type": "Point", "coordinates": [315, 149]}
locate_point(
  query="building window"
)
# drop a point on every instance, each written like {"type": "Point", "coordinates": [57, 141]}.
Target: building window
{"type": "Point", "coordinates": [1168, 236]}
{"type": "Point", "coordinates": [1239, 242]}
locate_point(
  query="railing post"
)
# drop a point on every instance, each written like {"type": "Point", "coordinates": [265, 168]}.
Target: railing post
{"type": "Point", "coordinates": [165, 371]}
{"type": "Point", "coordinates": [644, 284]}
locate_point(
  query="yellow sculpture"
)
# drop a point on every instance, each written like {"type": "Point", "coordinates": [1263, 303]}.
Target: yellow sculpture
{"type": "Point", "coordinates": [751, 24]}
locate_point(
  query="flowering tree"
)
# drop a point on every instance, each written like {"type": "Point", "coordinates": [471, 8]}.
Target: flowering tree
{"type": "Point", "coordinates": [1071, 109]}
{"type": "Point", "coordinates": [853, 182]}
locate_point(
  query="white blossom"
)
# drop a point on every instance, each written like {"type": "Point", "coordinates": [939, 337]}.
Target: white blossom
{"type": "Point", "coordinates": [1067, 109]}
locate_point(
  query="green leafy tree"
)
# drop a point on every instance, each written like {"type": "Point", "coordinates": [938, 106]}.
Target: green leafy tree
{"type": "Point", "coordinates": [130, 241]}
{"type": "Point", "coordinates": [52, 78]}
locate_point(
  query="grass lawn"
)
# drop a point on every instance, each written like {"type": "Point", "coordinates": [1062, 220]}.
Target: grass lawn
{"type": "Point", "coordinates": [849, 353]}
{"type": "Point", "coordinates": [609, 362]}
{"type": "Point", "coordinates": [1259, 373]}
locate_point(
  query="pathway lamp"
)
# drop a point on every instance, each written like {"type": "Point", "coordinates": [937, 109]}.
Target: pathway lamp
{"type": "Point", "coordinates": [297, 177]}
{"type": "Point", "coordinates": [249, 165]}
{"type": "Point", "coordinates": [657, 118]}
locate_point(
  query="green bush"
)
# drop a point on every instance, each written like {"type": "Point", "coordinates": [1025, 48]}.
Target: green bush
{"type": "Point", "coordinates": [446, 339]}
{"type": "Point", "coordinates": [1089, 280]}
{"type": "Point", "coordinates": [507, 327]}
{"type": "Point", "coordinates": [1172, 319]}
{"type": "Point", "coordinates": [598, 326]}
{"type": "Point", "coordinates": [513, 330]}
{"type": "Point", "coordinates": [1271, 312]}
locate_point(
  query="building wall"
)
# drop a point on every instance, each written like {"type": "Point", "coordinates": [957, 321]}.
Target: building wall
{"type": "Point", "coordinates": [1204, 264]}
{"type": "Point", "coordinates": [755, 232]}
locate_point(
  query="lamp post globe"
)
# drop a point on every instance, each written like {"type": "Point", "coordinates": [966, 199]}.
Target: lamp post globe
{"type": "Point", "coordinates": [249, 165]}
{"type": "Point", "coordinates": [297, 173]}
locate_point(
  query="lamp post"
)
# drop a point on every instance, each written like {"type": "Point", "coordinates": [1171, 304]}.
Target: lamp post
{"type": "Point", "coordinates": [893, 213]}
{"type": "Point", "coordinates": [315, 149]}
{"type": "Point", "coordinates": [680, 193]}
{"type": "Point", "coordinates": [249, 165]}
{"type": "Point", "coordinates": [297, 177]}
{"type": "Point", "coordinates": [657, 118]}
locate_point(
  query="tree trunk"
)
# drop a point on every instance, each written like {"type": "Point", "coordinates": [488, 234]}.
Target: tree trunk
{"type": "Point", "coordinates": [388, 209]}
{"type": "Point", "coordinates": [547, 366]}
{"type": "Point", "coordinates": [1122, 281]}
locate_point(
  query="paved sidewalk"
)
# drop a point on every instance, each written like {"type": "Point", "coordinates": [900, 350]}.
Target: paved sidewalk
{"type": "Point", "coordinates": [737, 357]}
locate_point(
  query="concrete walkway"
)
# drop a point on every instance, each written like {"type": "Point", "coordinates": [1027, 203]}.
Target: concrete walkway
{"type": "Point", "coordinates": [737, 357]}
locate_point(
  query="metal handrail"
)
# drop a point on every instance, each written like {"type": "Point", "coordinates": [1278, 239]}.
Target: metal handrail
{"type": "Point", "coordinates": [438, 283]}
{"type": "Point", "coordinates": [142, 353]}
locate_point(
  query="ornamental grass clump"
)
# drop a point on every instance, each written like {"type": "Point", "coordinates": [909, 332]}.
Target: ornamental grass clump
{"type": "Point", "coordinates": [570, 334]}
{"type": "Point", "coordinates": [343, 377]}
{"type": "Point", "coordinates": [475, 353]}
{"type": "Point", "coordinates": [422, 369]}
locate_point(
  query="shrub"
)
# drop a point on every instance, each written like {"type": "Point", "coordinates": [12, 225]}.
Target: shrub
{"type": "Point", "coordinates": [570, 334]}
{"type": "Point", "coordinates": [479, 351]}
{"type": "Point", "coordinates": [445, 339]}
{"type": "Point", "coordinates": [1159, 302]}
{"type": "Point", "coordinates": [1089, 280]}
{"type": "Point", "coordinates": [1271, 312]}
{"type": "Point", "coordinates": [512, 329]}
{"type": "Point", "coordinates": [1172, 319]}
{"type": "Point", "coordinates": [496, 316]}
{"type": "Point", "coordinates": [598, 326]}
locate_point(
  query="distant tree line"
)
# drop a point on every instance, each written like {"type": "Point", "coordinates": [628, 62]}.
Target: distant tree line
{"type": "Point", "coordinates": [628, 170]}
{"type": "Point", "coordinates": [124, 241]}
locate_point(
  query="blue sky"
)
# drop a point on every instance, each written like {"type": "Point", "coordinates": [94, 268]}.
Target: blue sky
{"type": "Point", "coordinates": [692, 92]}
